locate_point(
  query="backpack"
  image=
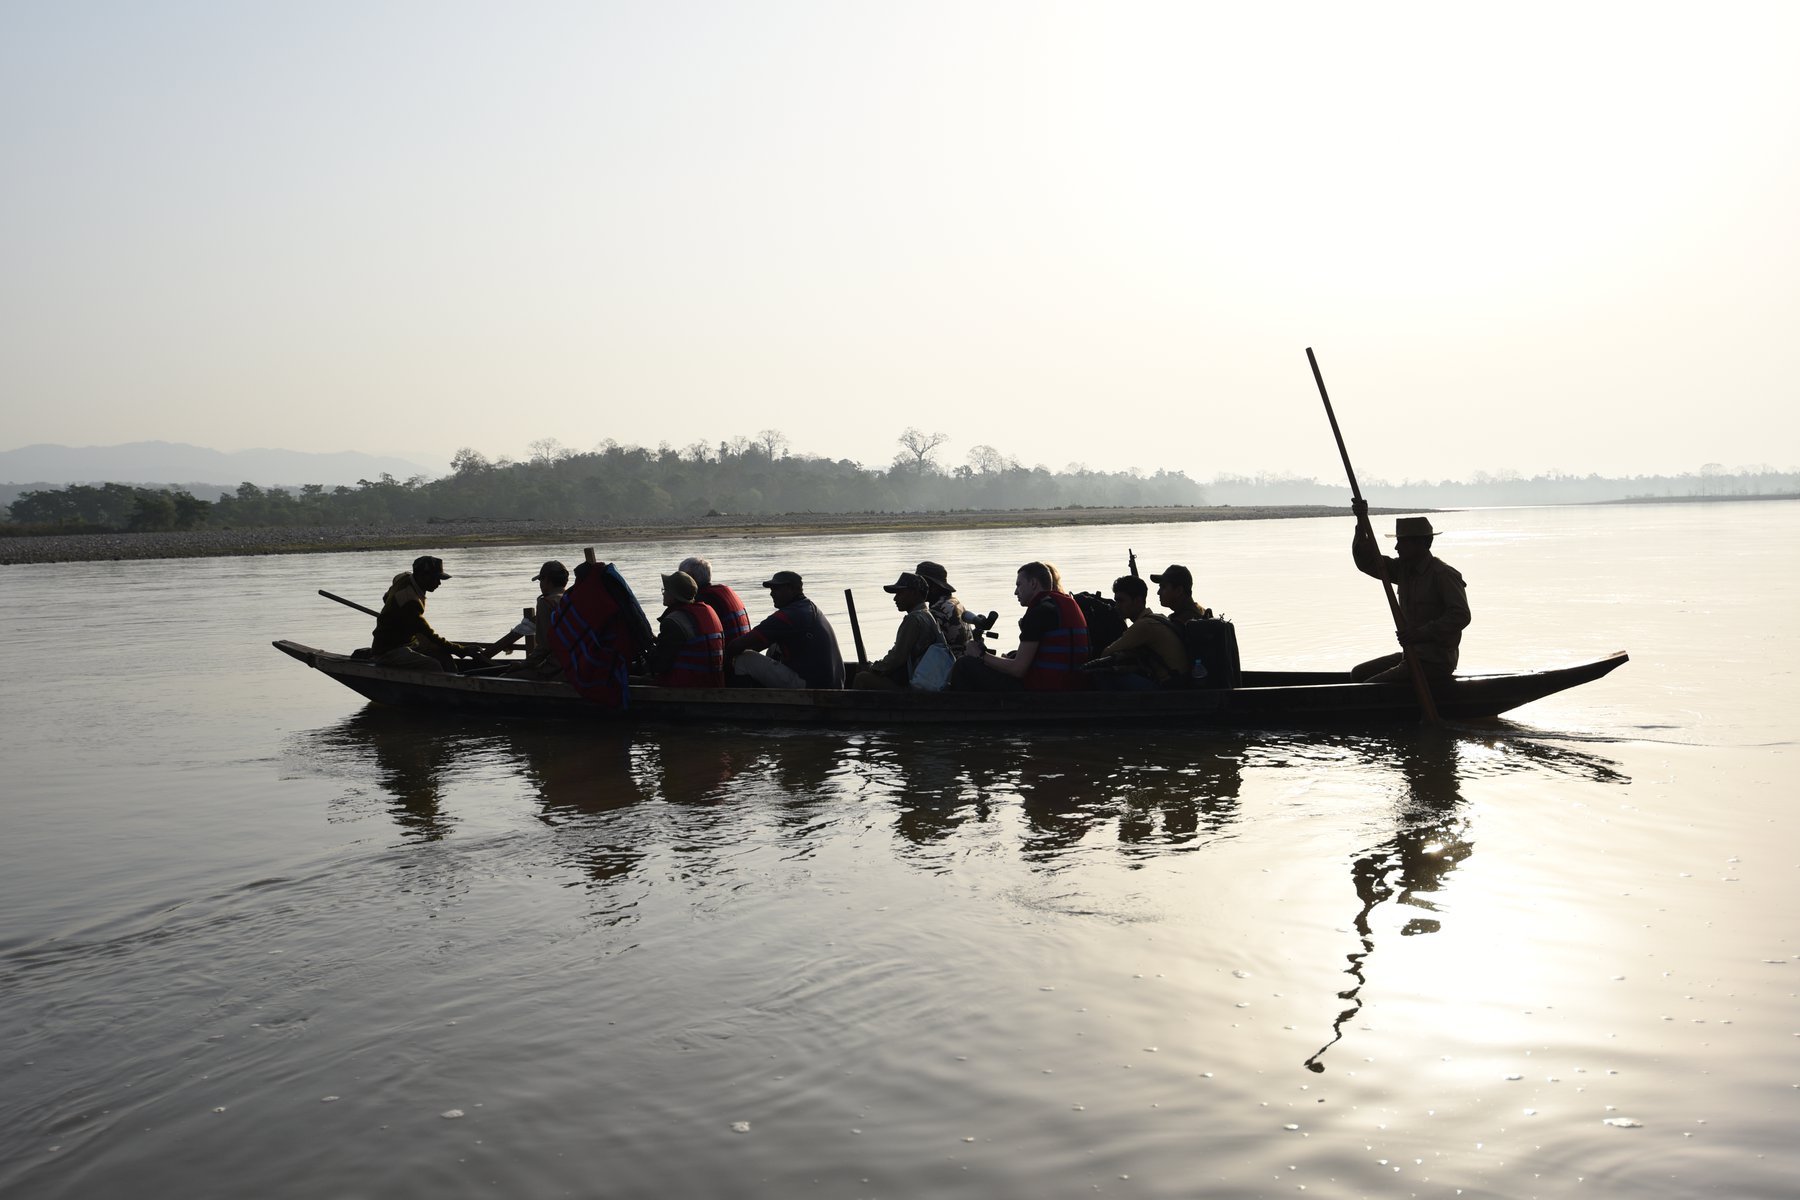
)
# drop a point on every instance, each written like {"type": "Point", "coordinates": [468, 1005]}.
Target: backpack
{"type": "Point", "coordinates": [1212, 644]}
{"type": "Point", "coordinates": [933, 669]}
{"type": "Point", "coordinates": [1105, 625]}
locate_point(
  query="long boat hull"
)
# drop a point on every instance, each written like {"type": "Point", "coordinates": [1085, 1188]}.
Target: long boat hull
{"type": "Point", "coordinates": [1265, 698]}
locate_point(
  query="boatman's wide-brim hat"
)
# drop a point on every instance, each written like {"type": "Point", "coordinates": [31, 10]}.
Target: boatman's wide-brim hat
{"type": "Point", "coordinates": [1405, 527]}
{"type": "Point", "coordinates": [932, 572]}
{"type": "Point", "coordinates": [430, 565]}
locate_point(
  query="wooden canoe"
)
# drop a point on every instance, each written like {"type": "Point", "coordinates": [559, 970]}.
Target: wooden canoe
{"type": "Point", "coordinates": [1265, 698]}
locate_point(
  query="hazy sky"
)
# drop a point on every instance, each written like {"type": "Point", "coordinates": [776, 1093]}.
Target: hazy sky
{"type": "Point", "coordinates": [1519, 236]}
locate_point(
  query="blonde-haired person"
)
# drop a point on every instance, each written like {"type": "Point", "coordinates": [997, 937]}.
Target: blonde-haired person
{"type": "Point", "coordinates": [1052, 642]}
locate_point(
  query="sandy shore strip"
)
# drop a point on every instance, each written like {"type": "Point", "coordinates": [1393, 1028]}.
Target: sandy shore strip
{"type": "Point", "coordinates": [206, 543]}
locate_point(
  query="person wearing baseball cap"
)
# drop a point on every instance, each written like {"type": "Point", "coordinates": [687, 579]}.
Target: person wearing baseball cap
{"type": "Point", "coordinates": [1175, 592]}
{"type": "Point", "coordinates": [552, 580]}
{"type": "Point", "coordinates": [403, 637]}
{"type": "Point", "coordinates": [1149, 654]}
{"type": "Point", "coordinates": [798, 632]}
{"type": "Point", "coordinates": [1434, 600]}
{"type": "Point", "coordinates": [918, 633]}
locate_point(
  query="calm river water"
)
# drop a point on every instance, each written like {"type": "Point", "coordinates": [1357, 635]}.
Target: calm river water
{"type": "Point", "coordinates": [261, 939]}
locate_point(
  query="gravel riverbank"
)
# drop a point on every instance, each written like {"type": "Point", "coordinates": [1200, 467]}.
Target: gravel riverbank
{"type": "Point", "coordinates": [205, 543]}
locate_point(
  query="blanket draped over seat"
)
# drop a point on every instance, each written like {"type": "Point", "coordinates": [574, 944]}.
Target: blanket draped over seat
{"type": "Point", "coordinates": [594, 636]}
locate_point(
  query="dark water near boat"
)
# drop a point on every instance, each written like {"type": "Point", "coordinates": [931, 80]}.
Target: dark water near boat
{"type": "Point", "coordinates": [263, 940]}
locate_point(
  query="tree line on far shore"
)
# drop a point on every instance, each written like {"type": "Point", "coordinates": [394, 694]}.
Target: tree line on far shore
{"type": "Point", "coordinates": [615, 483]}
{"type": "Point", "coordinates": [756, 476]}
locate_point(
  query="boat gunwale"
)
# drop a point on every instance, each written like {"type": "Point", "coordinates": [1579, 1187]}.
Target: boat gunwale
{"type": "Point", "coordinates": [1473, 696]}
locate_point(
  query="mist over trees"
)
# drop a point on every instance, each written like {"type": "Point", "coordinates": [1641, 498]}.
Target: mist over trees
{"type": "Point", "coordinates": [741, 475]}
{"type": "Point", "coordinates": [1507, 488]}
{"type": "Point", "coordinates": [756, 475]}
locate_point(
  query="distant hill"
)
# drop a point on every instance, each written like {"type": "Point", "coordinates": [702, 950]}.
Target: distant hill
{"type": "Point", "coordinates": [165, 463]}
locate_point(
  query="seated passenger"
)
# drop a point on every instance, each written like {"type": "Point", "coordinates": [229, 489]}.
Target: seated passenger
{"type": "Point", "coordinates": [946, 609]}
{"type": "Point", "coordinates": [799, 632]}
{"type": "Point", "coordinates": [734, 614]}
{"type": "Point", "coordinates": [1150, 654]}
{"type": "Point", "coordinates": [690, 646]}
{"type": "Point", "coordinates": [918, 633]}
{"type": "Point", "coordinates": [1175, 592]}
{"type": "Point", "coordinates": [403, 637]}
{"type": "Point", "coordinates": [552, 580]}
{"type": "Point", "coordinates": [1052, 643]}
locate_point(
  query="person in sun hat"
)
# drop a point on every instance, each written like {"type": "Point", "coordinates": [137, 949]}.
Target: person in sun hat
{"type": "Point", "coordinates": [690, 642]}
{"type": "Point", "coordinates": [1434, 600]}
{"type": "Point", "coordinates": [403, 637]}
{"type": "Point", "coordinates": [945, 608]}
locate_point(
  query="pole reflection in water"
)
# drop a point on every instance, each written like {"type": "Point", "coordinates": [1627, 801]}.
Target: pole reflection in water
{"type": "Point", "coordinates": [1432, 832]}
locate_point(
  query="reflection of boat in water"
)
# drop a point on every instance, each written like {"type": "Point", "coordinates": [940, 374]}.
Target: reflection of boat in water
{"type": "Point", "coordinates": [390, 763]}
{"type": "Point", "coordinates": [1264, 698]}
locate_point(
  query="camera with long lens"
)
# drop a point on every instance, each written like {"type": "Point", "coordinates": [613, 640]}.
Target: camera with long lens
{"type": "Point", "coordinates": [983, 626]}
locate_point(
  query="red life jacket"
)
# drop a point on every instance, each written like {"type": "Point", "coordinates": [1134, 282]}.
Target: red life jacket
{"type": "Point", "coordinates": [739, 623]}
{"type": "Point", "coordinates": [701, 662]}
{"type": "Point", "coordinates": [592, 639]}
{"type": "Point", "coordinates": [1056, 667]}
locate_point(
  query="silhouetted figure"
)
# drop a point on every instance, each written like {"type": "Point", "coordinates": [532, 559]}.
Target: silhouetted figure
{"type": "Point", "coordinates": [1434, 602]}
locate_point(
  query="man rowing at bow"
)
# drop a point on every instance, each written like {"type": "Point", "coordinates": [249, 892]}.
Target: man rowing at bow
{"type": "Point", "coordinates": [403, 637]}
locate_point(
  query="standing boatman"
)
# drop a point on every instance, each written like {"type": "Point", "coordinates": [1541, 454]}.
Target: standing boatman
{"type": "Point", "coordinates": [1434, 600]}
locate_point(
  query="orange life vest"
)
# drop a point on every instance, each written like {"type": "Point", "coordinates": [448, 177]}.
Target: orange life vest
{"type": "Point", "coordinates": [701, 662]}
{"type": "Point", "coordinates": [739, 623]}
{"type": "Point", "coordinates": [1056, 667]}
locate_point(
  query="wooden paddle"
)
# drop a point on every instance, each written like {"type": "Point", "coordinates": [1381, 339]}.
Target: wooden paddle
{"type": "Point", "coordinates": [1423, 688]}
{"type": "Point", "coordinates": [862, 656]}
{"type": "Point", "coordinates": [350, 603]}
{"type": "Point", "coordinates": [377, 616]}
